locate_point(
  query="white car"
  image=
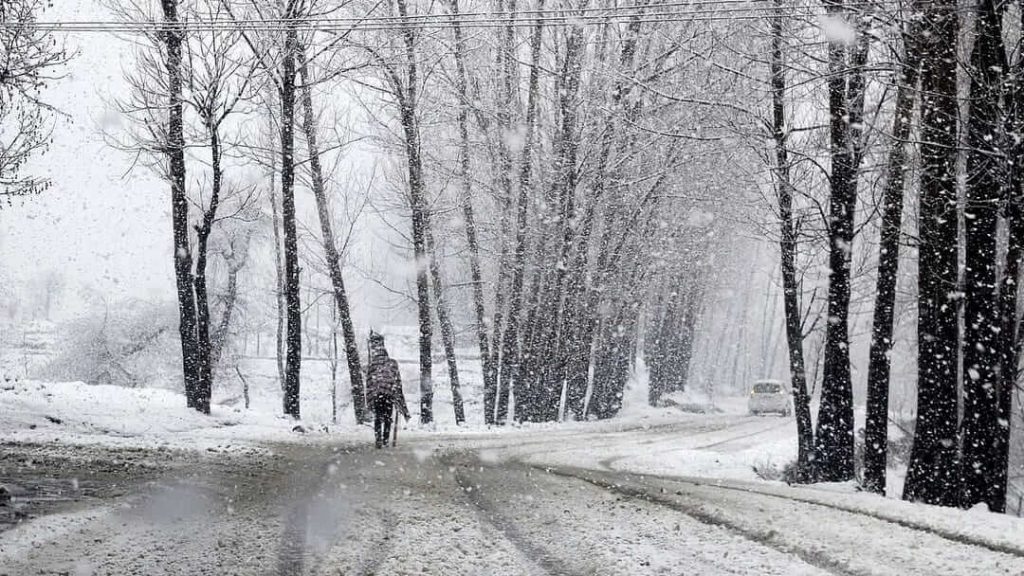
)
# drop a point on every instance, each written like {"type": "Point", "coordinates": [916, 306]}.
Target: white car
{"type": "Point", "coordinates": [769, 396]}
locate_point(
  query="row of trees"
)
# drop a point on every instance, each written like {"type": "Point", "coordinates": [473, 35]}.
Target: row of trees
{"type": "Point", "coordinates": [947, 129]}
{"type": "Point", "coordinates": [561, 170]}
{"type": "Point", "coordinates": [573, 168]}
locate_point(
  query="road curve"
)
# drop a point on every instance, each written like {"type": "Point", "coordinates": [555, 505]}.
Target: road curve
{"type": "Point", "coordinates": [450, 506]}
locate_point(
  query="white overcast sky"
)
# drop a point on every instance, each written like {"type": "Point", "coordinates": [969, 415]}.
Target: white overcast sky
{"type": "Point", "coordinates": [100, 226]}
{"type": "Point", "coordinates": [107, 228]}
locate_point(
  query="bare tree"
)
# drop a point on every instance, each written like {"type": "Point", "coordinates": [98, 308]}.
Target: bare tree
{"type": "Point", "coordinates": [184, 89]}
{"type": "Point", "coordinates": [174, 148]}
{"type": "Point", "coordinates": [329, 243]}
{"type": "Point", "coordinates": [494, 389]}
{"type": "Point", "coordinates": [217, 81]}
{"type": "Point", "coordinates": [788, 250]}
{"type": "Point", "coordinates": [234, 251]}
{"type": "Point", "coordinates": [877, 420]}
{"type": "Point", "coordinates": [834, 437]}
{"type": "Point", "coordinates": [277, 53]}
{"type": "Point", "coordinates": [512, 374]}
{"type": "Point", "coordinates": [402, 83]}
{"type": "Point", "coordinates": [466, 200]}
{"type": "Point", "coordinates": [32, 59]}
{"type": "Point", "coordinates": [293, 348]}
{"type": "Point", "coordinates": [982, 462]}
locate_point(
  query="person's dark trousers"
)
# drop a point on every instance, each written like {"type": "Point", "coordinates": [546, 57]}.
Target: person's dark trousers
{"type": "Point", "coordinates": [382, 411]}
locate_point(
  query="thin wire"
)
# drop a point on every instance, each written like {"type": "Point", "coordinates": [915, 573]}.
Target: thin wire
{"type": "Point", "coordinates": [334, 28]}
{"type": "Point", "coordinates": [634, 8]}
{"type": "Point", "coordinates": [440, 21]}
{"type": "Point", "coordinates": [560, 13]}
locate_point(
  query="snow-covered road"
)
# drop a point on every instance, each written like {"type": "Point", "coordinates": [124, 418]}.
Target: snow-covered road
{"type": "Point", "coordinates": [532, 502]}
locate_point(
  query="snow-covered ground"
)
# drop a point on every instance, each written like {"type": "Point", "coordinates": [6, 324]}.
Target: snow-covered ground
{"type": "Point", "coordinates": [723, 441]}
{"type": "Point", "coordinates": [698, 459]}
{"type": "Point", "coordinates": [75, 412]}
{"type": "Point", "coordinates": [78, 413]}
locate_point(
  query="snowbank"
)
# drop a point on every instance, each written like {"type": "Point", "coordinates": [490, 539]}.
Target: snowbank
{"type": "Point", "coordinates": [78, 413]}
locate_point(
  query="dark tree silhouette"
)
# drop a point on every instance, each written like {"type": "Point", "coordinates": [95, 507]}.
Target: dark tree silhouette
{"type": "Point", "coordinates": [933, 474]}
{"type": "Point", "coordinates": [985, 177]}
{"type": "Point", "coordinates": [877, 420]}
{"type": "Point", "coordinates": [834, 438]}
{"type": "Point", "coordinates": [788, 252]}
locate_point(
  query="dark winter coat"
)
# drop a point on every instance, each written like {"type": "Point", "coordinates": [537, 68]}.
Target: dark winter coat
{"type": "Point", "coordinates": [384, 380]}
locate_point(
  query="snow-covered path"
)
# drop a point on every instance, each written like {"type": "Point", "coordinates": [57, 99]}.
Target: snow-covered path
{"type": "Point", "coordinates": [527, 502]}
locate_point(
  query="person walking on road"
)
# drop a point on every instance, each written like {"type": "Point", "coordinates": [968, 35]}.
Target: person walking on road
{"type": "Point", "coordinates": [384, 390]}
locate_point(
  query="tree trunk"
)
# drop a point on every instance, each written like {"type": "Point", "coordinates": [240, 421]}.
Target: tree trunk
{"type": "Point", "coordinates": [530, 356]}
{"type": "Point", "coordinates": [334, 365]}
{"type": "Point", "coordinates": [293, 353]}
{"type": "Point", "coordinates": [278, 270]}
{"type": "Point", "coordinates": [220, 336]}
{"type": "Point", "coordinates": [466, 200]}
{"type": "Point", "coordinates": [877, 421]}
{"type": "Point", "coordinates": [204, 386]}
{"type": "Point", "coordinates": [665, 334]}
{"type": "Point", "coordinates": [932, 474]}
{"type": "Point", "coordinates": [179, 206]}
{"type": "Point", "coordinates": [204, 343]}
{"type": "Point", "coordinates": [278, 289]}
{"type": "Point", "coordinates": [688, 335]}
{"type": "Point", "coordinates": [981, 306]}
{"type": "Point", "coordinates": [1009, 345]}
{"type": "Point", "coordinates": [618, 334]}
{"type": "Point", "coordinates": [355, 371]}
{"type": "Point", "coordinates": [581, 319]}
{"type": "Point", "coordinates": [788, 252]}
{"type": "Point", "coordinates": [245, 386]}
{"type": "Point", "coordinates": [447, 331]}
{"type": "Point", "coordinates": [408, 100]}
{"type": "Point", "coordinates": [552, 376]}
{"type": "Point", "coordinates": [834, 437]}
{"type": "Point", "coordinates": [1009, 329]}
{"type": "Point", "coordinates": [510, 358]}
{"type": "Point", "coordinates": [507, 63]}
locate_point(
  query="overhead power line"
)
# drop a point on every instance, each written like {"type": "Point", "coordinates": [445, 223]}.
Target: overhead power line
{"type": "Point", "coordinates": [724, 10]}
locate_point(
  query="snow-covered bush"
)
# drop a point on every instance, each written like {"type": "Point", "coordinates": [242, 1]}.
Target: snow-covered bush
{"type": "Point", "coordinates": [130, 343]}
{"type": "Point", "coordinates": [771, 471]}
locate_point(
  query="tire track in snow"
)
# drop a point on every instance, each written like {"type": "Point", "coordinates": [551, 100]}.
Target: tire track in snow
{"type": "Point", "coordinates": [609, 463]}
{"type": "Point", "coordinates": [541, 560]}
{"type": "Point", "coordinates": [379, 554]}
{"type": "Point", "coordinates": [767, 538]}
{"type": "Point", "coordinates": [291, 557]}
{"type": "Point", "coordinates": [893, 519]}
{"type": "Point", "coordinates": [613, 533]}
{"type": "Point", "coordinates": [313, 514]}
{"type": "Point", "coordinates": [522, 447]}
{"type": "Point", "coordinates": [757, 536]}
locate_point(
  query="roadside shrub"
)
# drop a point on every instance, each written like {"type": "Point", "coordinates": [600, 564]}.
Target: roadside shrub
{"type": "Point", "coordinates": [899, 442]}
{"type": "Point", "coordinates": [133, 343]}
{"type": "Point", "coordinates": [768, 470]}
